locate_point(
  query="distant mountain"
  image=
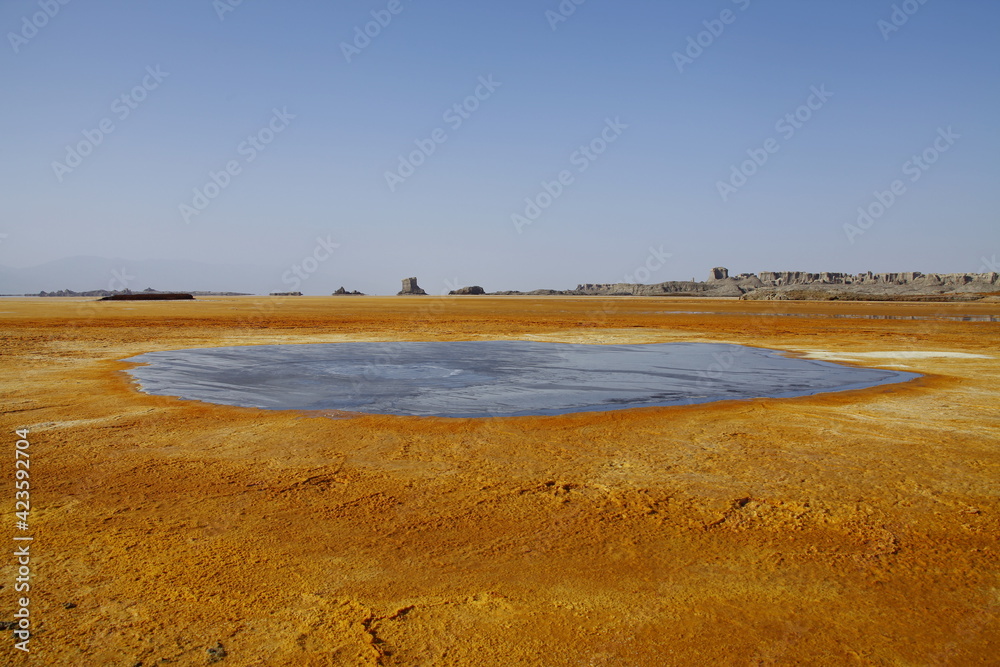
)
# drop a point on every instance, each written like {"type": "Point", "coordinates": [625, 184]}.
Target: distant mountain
{"type": "Point", "coordinates": [83, 274]}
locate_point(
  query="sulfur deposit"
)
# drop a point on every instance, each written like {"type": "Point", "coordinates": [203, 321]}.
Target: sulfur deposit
{"type": "Point", "coordinates": [845, 528]}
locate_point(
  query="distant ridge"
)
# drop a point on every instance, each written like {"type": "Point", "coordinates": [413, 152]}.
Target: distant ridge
{"type": "Point", "coordinates": [150, 296]}
{"type": "Point", "coordinates": [147, 294]}
{"type": "Point", "coordinates": [102, 276]}
{"type": "Point", "coordinates": [801, 285]}
{"type": "Point", "coordinates": [121, 277]}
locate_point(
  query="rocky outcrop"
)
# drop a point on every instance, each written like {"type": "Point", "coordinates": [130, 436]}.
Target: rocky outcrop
{"type": "Point", "coordinates": [410, 286]}
{"type": "Point", "coordinates": [148, 290]}
{"type": "Point", "coordinates": [537, 292]}
{"type": "Point", "coordinates": [150, 296]}
{"type": "Point", "coordinates": [784, 285]}
{"type": "Point", "coordinates": [781, 278]}
{"type": "Point", "coordinates": [670, 288]}
{"type": "Point", "coordinates": [748, 281]}
{"type": "Point", "coordinates": [286, 293]}
{"type": "Point", "coordinates": [474, 289]}
{"type": "Point", "coordinates": [903, 286]}
{"type": "Point", "coordinates": [798, 285]}
{"type": "Point", "coordinates": [344, 292]}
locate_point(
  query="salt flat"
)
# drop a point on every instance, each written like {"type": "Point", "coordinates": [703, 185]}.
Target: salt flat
{"type": "Point", "coordinates": [853, 527]}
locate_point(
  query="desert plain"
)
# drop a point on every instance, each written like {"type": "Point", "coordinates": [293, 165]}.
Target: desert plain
{"type": "Point", "coordinates": [851, 528]}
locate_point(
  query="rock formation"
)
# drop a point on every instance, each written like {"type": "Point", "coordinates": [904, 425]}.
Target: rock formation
{"type": "Point", "coordinates": [153, 296]}
{"type": "Point", "coordinates": [410, 286]}
{"type": "Point", "coordinates": [475, 289]}
{"type": "Point", "coordinates": [670, 288]}
{"type": "Point", "coordinates": [344, 292]}
{"type": "Point", "coordinates": [904, 286]}
{"type": "Point", "coordinates": [148, 290]}
{"type": "Point", "coordinates": [908, 285]}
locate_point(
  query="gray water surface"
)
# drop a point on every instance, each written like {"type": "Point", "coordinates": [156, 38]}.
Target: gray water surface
{"type": "Point", "coordinates": [489, 378]}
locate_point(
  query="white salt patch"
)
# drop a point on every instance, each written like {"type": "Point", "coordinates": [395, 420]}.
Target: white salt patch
{"type": "Point", "coordinates": [895, 354]}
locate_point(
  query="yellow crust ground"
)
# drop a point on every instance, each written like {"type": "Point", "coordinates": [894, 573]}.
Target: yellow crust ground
{"type": "Point", "coordinates": [852, 528]}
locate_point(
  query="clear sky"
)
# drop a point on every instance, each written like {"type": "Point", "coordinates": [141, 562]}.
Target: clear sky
{"type": "Point", "coordinates": [310, 128]}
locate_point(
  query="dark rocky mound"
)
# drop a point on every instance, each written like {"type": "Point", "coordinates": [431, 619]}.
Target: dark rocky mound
{"type": "Point", "coordinates": [148, 290]}
{"type": "Point", "coordinates": [475, 289]}
{"type": "Point", "coordinates": [154, 296]}
{"type": "Point", "coordinates": [344, 292]}
{"type": "Point", "coordinates": [538, 292]}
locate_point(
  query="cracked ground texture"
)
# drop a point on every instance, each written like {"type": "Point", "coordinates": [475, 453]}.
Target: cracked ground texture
{"type": "Point", "coordinates": [851, 528]}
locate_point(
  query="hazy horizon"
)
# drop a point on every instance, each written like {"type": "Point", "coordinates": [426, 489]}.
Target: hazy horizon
{"type": "Point", "coordinates": [88, 273]}
{"type": "Point", "coordinates": [516, 146]}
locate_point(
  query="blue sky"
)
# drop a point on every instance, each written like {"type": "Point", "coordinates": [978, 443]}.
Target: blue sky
{"type": "Point", "coordinates": [221, 74]}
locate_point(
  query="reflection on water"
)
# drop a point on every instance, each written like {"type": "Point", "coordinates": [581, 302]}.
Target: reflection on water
{"type": "Point", "coordinates": [489, 378]}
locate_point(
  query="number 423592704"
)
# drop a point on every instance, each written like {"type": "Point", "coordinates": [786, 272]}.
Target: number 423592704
{"type": "Point", "coordinates": [22, 465]}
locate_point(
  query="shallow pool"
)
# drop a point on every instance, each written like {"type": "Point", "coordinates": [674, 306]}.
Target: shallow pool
{"type": "Point", "coordinates": [489, 378]}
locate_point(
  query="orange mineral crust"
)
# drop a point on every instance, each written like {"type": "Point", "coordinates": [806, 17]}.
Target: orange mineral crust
{"type": "Point", "coordinates": [851, 528]}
